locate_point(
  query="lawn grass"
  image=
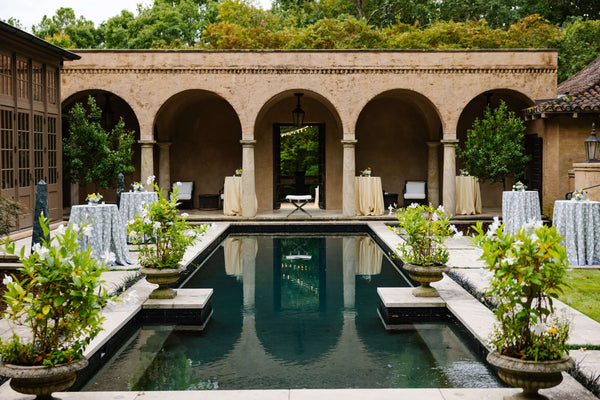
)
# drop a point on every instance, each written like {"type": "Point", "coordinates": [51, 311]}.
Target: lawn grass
{"type": "Point", "coordinates": [584, 292]}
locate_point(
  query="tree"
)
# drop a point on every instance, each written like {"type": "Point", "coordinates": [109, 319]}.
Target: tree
{"type": "Point", "coordinates": [92, 154]}
{"type": "Point", "coordinates": [81, 32]}
{"type": "Point", "coordinates": [580, 45]}
{"type": "Point", "coordinates": [495, 146]}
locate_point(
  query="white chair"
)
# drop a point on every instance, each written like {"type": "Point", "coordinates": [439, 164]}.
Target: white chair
{"type": "Point", "coordinates": [185, 192]}
{"type": "Point", "coordinates": [415, 192]}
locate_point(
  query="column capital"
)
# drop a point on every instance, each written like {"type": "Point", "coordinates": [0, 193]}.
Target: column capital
{"type": "Point", "coordinates": [349, 142]}
{"type": "Point", "coordinates": [434, 143]}
{"type": "Point", "coordinates": [146, 143]}
{"type": "Point", "coordinates": [248, 142]}
{"type": "Point", "coordinates": [164, 144]}
{"type": "Point", "coordinates": [449, 142]}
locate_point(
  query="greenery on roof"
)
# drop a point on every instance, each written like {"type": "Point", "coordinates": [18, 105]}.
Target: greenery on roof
{"type": "Point", "coordinates": [572, 27]}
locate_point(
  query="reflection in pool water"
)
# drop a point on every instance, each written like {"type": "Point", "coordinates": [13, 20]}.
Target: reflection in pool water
{"type": "Point", "coordinates": [295, 312]}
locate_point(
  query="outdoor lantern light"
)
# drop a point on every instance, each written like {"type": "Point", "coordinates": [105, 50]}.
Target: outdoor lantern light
{"type": "Point", "coordinates": [592, 147]}
{"type": "Point", "coordinates": [298, 112]}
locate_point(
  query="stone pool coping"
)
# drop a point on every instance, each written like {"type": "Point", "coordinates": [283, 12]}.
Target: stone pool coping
{"type": "Point", "coordinates": [470, 312]}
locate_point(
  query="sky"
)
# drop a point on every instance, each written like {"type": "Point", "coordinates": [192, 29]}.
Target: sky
{"type": "Point", "coordinates": [30, 12]}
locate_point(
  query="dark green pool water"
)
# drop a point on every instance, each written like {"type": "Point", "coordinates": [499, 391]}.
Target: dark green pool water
{"type": "Point", "coordinates": [295, 312]}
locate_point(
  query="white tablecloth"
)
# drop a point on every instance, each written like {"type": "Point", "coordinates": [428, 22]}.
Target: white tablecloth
{"type": "Point", "coordinates": [132, 203]}
{"type": "Point", "coordinates": [232, 195]}
{"type": "Point", "coordinates": [108, 231]}
{"type": "Point", "coordinates": [579, 223]}
{"type": "Point", "coordinates": [369, 195]}
{"type": "Point", "coordinates": [518, 208]}
{"type": "Point", "coordinates": [468, 195]}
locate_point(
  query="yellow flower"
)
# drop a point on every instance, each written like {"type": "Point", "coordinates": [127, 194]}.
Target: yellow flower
{"type": "Point", "coordinates": [552, 331]}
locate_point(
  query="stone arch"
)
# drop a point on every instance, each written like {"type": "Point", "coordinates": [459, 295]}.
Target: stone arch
{"type": "Point", "coordinates": [198, 136]}
{"type": "Point", "coordinates": [319, 111]}
{"type": "Point", "coordinates": [397, 134]}
{"type": "Point", "coordinates": [114, 107]}
{"type": "Point", "coordinates": [491, 193]}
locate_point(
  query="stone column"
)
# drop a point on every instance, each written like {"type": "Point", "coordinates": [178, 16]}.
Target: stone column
{"type": "Point", "coordinates": [248, 182]}
{"type": "Point", "coordinates": [164, 167]}
{"type": "Point", "coordinates": [147, 160]}
{"type": "Point", "coordinates": [449, 188]}
{"type": "Point", "coordinates": [348, 185]}
{"type": "Point", "coordinates": [433, 174]}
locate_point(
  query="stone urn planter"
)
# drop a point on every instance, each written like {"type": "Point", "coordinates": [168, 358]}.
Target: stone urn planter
{"type": "Point", "coordinates": [42, 381]}
{"type": "Point", "coordinates": [426, 275]}
{"type": "Point", "coordinates": [530, 375]}
{"type": "Point", "coordinates": [162, 277]}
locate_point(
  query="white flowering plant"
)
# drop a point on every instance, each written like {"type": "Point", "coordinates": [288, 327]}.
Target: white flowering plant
{"type": "Point", "coordinates": [168, 232]}
{"type": "Point", "coordinates": [425, 229]}
{"type": "Point", "coordinates": [526, 271]}
{"type": "Point", "coordinates": [58, 297]}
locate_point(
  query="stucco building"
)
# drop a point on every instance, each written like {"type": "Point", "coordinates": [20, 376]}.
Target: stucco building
{"type": "Point", "coordinates": [202, 114]}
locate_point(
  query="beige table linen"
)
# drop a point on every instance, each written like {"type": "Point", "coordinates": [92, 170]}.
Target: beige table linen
{"type": "Point", "coordinates": [468, 195]}
{"type": "Point", "coordinates": [369, 195]}
{"type": "Point", "coordinates": [232, 196]}
{"type": "Point", "coordinates": [368, 257]}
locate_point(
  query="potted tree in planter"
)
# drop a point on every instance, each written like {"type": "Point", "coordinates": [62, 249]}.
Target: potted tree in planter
{"type": "Point", "coordinates": [527, 272]}
{"type": "Point", "coordinates": [167, 235]}
{"type": "Point", "coordinates": [425, 228]}
{"type": "Point", "coordinates": [59, 300]}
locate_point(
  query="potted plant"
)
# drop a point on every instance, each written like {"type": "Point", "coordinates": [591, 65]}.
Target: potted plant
{"type": "Point", "coordinates": [137, 186]}
{"type": "Point", "coordinates": [527, 270]}
{"type": "Point", "coordinates": [424, 228]}
{"type": "Point", "coordinates": [168, 235]}
{"type": "Point", "coordinates": [59, 299]}
{"type": "Point", "coordinates": [93, 199]}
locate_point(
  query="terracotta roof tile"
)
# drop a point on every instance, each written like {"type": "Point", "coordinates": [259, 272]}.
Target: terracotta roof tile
{"type": "Point", "coordinates": [579, 93]}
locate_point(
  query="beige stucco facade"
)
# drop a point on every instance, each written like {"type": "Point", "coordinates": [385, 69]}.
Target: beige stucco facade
{"type": "Point", "coordinates": [202, 114]}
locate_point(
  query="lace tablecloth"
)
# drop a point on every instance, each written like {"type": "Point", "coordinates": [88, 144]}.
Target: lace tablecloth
{"type": "Point", "coordinates": [519, 208]}
{"type": "Point", "coordinates": [579, 223]}
{"type": "Point", "coordinates": [132, 203]}
{"type": "Point", "coordinates": [108, 231]}
{"type": "Point", "coordinates": [369, 195]}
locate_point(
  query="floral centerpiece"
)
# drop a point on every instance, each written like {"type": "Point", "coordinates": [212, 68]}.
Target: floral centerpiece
{"type": "Point", "coordinates": [519, 186]}
{"type": "Point", "coordinates": [238, 172]}
{"type": "Point", "coordinates": [59, 299]}
{"type": "Point", "coordinates": [425, 229]}
{"type": "Point", "coordinates": [464, 172]}
{"type": "Point", "coordinates": [137, 186]}
{"type": "Point", "coordinates": [93, 198]}
{"type": "Point", "coordinates": [366, 172]}
{"type": "Point", "coordinates": [579, 194]}
{"type": "Point", "coordinates": [169, 235]}
{"type": "Point", "coordinates": [527, 271]}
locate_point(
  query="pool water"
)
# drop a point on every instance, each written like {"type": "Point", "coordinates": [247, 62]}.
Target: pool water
{"type": "Point", "coordinates": [295, 312]}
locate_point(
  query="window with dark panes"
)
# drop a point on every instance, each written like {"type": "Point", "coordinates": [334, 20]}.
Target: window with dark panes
{"type": "Point", "coordinates": [51, 84]}
{"type": "Point", "coordinates": [52, 151]}
{"type": "Point", "coordinates": [22, 79]}
{"type": "Point", "coordinates": [38, 147]}
{"type": "Point", "coordinates": [38, 90]}
{"type": "Point", "coordinates": [6, 149]}
{"type": "Point", "coordinates": [5, 74]}
{"type": "Point", "coordinates": [23, 148]}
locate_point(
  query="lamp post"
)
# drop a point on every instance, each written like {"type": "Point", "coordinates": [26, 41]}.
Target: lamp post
{"type": "Point", "coordinates": [298, 112]}
{"type": "Point", "coordinates": [592, 147]}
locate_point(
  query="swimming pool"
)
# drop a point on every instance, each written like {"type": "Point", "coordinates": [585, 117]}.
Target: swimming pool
{"type": "Point", "coordinates": [295, 312]}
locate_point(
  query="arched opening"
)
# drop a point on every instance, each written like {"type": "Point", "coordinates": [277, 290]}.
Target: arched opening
{"type": "Point", "coordinates": [491, 193]}
{"type": "Point", "coordinates": [322, 166]}
{"type": "Point", "coordinates": [198, 139]}
{"type": "Point", "coordinates": [113, 108]}
{"type": "Point", "coordinates": [393, 132]}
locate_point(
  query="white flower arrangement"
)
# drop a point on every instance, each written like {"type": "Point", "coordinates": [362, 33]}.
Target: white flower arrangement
{"type": "Point", "coordinates": [519, 186]}
{"type": "Point", "coordinates": [579, 194]}
{"type": "Point", "coordinates": [94, 198]}
{"type": "Point", "coordinates": [137, 186]}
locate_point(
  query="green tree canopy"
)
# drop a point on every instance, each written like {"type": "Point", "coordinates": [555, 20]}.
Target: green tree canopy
{"type": "Point", "coordinates": [92, 154]}
{"type": "Point", "coordinates": [81, 33]}
{"type": "Point", "coordinates": [495, 146]}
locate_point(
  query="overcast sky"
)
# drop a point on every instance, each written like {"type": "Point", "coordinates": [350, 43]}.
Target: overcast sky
{"type": "Point", "coordinates": [30, 12]}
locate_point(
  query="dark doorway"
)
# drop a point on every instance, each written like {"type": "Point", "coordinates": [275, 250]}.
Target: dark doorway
{"type": "Point", "coordinates": [533, 174]}
{"type": "Point", "coordinates": [298, 162]}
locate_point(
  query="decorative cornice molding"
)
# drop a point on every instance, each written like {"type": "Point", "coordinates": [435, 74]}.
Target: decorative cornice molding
{"type": "Point", "coordinates": [311, 71]}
